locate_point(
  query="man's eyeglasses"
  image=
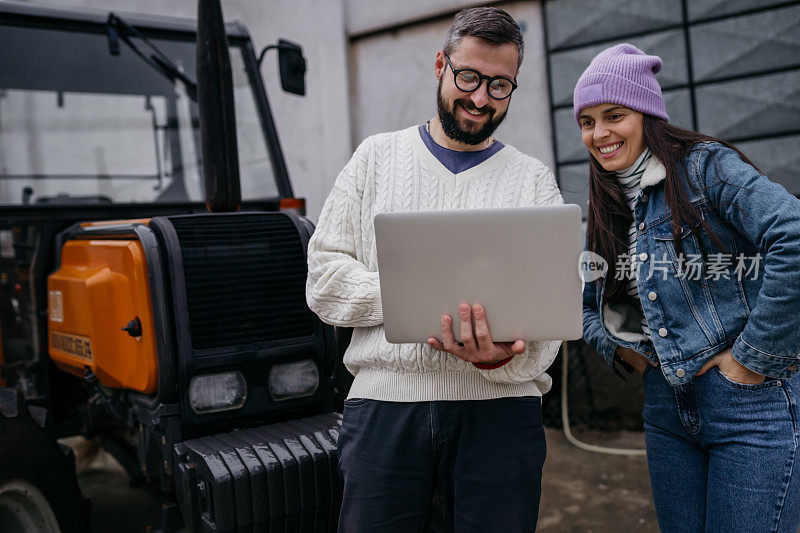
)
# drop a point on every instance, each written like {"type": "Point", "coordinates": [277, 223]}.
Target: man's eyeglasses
{"type": "Point", "coordinates": [469, 80]}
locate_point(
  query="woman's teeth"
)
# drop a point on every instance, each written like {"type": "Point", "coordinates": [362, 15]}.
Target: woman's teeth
{"type": "Point", "coordinates": [609, 149]}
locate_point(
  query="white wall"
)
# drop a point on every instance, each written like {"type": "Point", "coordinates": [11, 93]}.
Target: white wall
{"type": "Point", "coordinates": [314, 130]}
{"type": "Point", "coordinates": [371, 15]}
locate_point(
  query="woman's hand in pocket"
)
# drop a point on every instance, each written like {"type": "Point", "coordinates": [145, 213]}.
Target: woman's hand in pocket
{"type": "Point", "coordinates": [732, 369]}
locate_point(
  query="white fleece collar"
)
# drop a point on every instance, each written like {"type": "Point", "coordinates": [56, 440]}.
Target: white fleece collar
{"type": "Point", "coordinates": [653, 174]}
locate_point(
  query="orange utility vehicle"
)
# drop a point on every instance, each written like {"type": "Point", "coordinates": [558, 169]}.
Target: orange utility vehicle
{"type": "Point", "coordinates": [152, 288]}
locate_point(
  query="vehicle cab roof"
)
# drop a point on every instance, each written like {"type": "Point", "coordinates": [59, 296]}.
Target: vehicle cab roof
{"type": "Point", "coordinates": [16, 13]}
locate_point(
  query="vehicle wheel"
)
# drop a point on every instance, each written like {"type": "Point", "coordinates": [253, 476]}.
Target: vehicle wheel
{"type": "Point", "coordinates": [39, 490]}
{"type": "Point", "coordinates": [24, 508]}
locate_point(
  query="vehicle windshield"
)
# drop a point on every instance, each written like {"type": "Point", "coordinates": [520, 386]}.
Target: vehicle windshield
{"type": "Point", "coordinates": [80, 125]}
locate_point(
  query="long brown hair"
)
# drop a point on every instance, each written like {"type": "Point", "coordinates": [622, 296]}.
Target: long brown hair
{"type": "Point", "coordinates": [610, 218]}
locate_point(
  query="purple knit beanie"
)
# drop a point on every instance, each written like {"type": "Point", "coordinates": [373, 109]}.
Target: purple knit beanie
{"type": "Point", "coordinates": [622, 75]}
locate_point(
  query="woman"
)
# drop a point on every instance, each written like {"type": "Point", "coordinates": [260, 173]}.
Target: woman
{"type": "Point", "coordinates": [702, 297]}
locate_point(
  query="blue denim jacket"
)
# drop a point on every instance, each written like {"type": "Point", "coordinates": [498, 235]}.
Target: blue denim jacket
{"type": "Point", "coordinates": [694, 315]}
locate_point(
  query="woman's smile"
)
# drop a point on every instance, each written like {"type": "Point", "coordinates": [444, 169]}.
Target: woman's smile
{"type": "Point", "coordinates": [609, 150]}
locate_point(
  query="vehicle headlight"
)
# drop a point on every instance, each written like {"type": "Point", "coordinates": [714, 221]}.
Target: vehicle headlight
{"type": "Point", "coordinates": [217, 392]}
{"type": "Point", "coordinates": [292, 380]}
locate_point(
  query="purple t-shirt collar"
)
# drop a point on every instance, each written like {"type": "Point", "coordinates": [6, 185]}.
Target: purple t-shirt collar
{"type": "Point", "coordinates": [454, 160]}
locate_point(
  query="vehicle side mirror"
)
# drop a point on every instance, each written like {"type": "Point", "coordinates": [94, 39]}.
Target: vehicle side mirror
{"type": "Point", "coordinates": [292, 67]}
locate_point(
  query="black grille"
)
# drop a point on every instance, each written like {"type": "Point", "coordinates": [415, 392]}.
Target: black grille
{"type": "Point", "coordinates": [279, 477]}
{"type": "Point", "coordinates": [245, 279]}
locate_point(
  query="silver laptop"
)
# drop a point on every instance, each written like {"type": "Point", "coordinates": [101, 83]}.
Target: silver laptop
{"type": "Point", "coordinates": [521, 264]}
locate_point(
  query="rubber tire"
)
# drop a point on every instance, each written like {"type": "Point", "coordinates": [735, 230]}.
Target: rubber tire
{"type": "Point", "coordinates": [28, 451]}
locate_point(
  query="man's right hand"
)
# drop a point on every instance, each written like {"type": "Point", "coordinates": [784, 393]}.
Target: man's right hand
{"type": "Point", "coordinates": [633, 358]}
{"type": "Point", "coordinates": [477, 346]}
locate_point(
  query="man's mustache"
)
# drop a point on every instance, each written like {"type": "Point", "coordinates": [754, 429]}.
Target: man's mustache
{"type": "Point", "coordinates": [468, 104]}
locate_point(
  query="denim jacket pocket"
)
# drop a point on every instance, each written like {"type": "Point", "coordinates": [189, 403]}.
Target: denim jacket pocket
{"type": "Point", "coordinates": [663, 231]}
{"type": "Point", "coordinates": [665, 245]}
{"type": "Point", "coordinates": [689, 263]}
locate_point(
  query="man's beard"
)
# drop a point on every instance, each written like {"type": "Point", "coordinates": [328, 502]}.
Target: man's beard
{"type": "Point", "coordinates": [452, 127]}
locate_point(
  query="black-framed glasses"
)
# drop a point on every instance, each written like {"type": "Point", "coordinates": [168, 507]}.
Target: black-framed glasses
{"type": "Point", "coordinates": [469, 80]}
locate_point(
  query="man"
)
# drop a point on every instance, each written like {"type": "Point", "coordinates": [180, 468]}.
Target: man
{"type": "Point", "coordinates": [464, 419]}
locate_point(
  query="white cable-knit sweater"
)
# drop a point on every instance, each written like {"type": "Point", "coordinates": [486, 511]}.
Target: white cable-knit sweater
{"type": "Point", "coordinates": [395, 172]}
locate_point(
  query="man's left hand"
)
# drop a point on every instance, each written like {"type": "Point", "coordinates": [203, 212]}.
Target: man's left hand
{"type": "Point", "coordinates": [476, 346]}
{"type": "Point", "coordinates": [732, 369]}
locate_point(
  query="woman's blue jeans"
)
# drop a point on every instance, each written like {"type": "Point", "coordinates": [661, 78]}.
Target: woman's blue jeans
{"type": "Point", "coordinates": [723, 457]}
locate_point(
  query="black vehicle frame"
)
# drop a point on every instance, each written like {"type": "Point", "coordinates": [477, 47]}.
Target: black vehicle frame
{"type": "Point", "coordinates": [160, 438]}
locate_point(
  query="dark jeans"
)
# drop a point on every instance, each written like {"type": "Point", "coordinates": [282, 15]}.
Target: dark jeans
{"type": "Point", "coordinates": [723, 457]}
{"type": "Point", "coordinates": [484, 457]}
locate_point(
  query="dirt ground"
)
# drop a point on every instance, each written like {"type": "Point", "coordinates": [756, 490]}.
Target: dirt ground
{"type": "Point", "coordinates": [581, 491]}
{"type": "Point", "coordinates": [592, 492]}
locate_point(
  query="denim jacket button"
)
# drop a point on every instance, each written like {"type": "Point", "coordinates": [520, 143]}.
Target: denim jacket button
{"type": "Point", "coordinates": [644, 198]}
{"type": "Point", "coordinates": [680, 372]}
{"type": "Point", "coordinates": [662, 332]}
{"type": "Point", "coordinates": [643, 256]}
{"type": "Point", "coordinates": [641, 226]}
{"type": "Point", "coordinates": [652, 296]}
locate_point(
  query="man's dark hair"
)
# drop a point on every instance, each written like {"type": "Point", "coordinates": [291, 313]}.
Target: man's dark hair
{"type": "Point", "coordinates": [490, 24]}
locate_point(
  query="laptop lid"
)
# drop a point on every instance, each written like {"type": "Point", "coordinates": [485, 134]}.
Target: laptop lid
{"type": "Point", "coordinates": [521, 264]}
